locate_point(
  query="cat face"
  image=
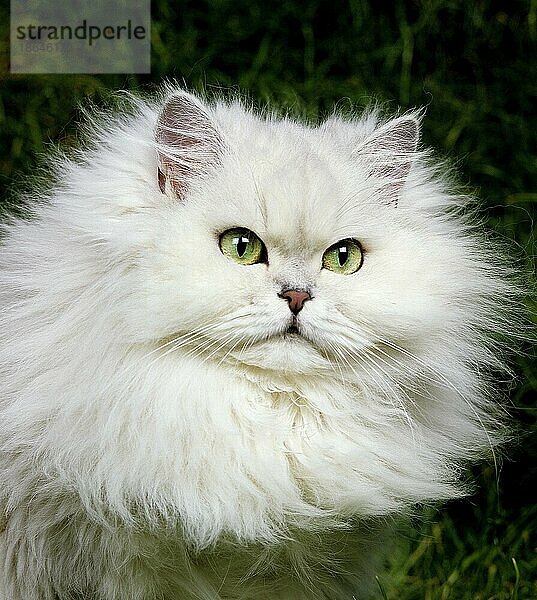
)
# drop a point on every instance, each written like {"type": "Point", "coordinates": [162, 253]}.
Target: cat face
{"type": "Point", "coordinates": [287, 248]}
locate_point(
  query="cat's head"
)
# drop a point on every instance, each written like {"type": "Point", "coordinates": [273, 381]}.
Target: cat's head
{"type": "Point", "coordinates": [297, 248]}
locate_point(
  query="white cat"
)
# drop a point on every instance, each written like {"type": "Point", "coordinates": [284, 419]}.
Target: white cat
{"type": "Point", "coordinates": [232, 347]}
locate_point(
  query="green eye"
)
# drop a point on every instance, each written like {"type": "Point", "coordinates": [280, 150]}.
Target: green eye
{"type": "Point", "coordinates": [242, 246]}
{"type": "Point", "coordinates": [344, 257]}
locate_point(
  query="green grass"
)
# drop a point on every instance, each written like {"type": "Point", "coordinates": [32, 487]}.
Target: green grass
{"type": "Point", "coordinates": [446, 558]}
{"type": "Point", "coordinates": [474, 65]}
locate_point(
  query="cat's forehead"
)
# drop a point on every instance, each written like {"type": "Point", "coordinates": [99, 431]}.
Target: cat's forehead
{"type": "Point", "coordinates": [288, 196]}
{"type": "Point", "coordinates": [295, 187]}
{"type": "Point", "coordinates": [290, 187]}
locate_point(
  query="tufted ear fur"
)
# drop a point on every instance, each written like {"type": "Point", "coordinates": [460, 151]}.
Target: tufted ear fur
{"type": "Point", "coordinates": [391, 150]}
{"type": "Point", "coordinates": [187, 143]}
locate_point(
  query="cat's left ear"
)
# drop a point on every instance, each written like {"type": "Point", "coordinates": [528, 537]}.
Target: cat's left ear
{"type": "Point", "coordinates": [390, 151]}
{"type": "Point", "coordinates": [187, 143]}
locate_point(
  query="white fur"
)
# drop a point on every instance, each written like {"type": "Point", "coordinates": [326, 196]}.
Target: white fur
{"type": "Point", "coordinates": [159, 436]}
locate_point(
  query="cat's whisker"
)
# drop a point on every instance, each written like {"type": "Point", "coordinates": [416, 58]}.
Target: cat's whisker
{"type": "Point", "coordinates": [232, 348]}
{"type": "Point", "coordinates": [339, 371]}
{"type": "Point", "coordinates": [358, 378]}
{"type": "Point", "coordinates": [180, 341]}
{"type": "Point", "coordinates": [442, 379]}
{"type": "Point", "coordinates": [186, 338]}
{"type": "Point", "coordinates": [397, 404]}
{"type": "Point", "coordinates": [407, 385]}
{"type": "Point", "coordinates": [246, 347]}
{"type": "Point", "coordinates": [338, 352]}
{"type": "Point", "coordinates": [396, 395]}
{"type": "Point", "coordinates": [217, 346]}
{"type": "Point", "coordinates": [372, 346]}
{"type": "Point", "coordinates": [361, 355]}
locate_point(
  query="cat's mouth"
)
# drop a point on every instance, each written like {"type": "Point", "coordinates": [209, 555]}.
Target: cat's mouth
{"type": "Point", "coordinates": [293, 327]}
{"type": "Point", "coordinates": [291, 348]}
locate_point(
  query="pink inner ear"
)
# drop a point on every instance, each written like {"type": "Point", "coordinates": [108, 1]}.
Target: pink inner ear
{"type": "Point", "coordinates": [161, 181]}
{"type": "Point", "coordinates": [187, 143]}
{"type": "Point", "coordinates": [392, 149]}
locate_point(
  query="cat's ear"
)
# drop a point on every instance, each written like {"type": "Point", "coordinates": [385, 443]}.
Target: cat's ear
{"type": "Point", "coordinates": [390, 151]}
{"type": "Point", "coordinates": [187, 143]}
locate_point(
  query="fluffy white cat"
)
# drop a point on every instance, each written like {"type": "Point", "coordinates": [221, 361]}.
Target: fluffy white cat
{"type": "Point", "coordinates": [233, 346]}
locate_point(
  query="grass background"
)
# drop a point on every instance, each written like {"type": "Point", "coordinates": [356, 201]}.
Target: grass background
{"type": "Point", "coordinates": [474, 65]}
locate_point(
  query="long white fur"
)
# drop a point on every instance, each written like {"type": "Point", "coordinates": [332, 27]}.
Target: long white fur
{"type": "Point", "coordinates": [159, 436]}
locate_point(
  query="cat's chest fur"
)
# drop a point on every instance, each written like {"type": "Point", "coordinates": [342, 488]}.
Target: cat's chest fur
{"type": "Point", "coordinates": [255, 453]}
{"type": "Point", "coordinates": [256, 492]}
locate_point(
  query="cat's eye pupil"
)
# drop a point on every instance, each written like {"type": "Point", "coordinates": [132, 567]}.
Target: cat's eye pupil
{"type": "Point", "coordinates": [343, 255]}
{"type": "Point", "coordinates": [243, 246]}
{"type": "Point", "coordinates": [241, 243]}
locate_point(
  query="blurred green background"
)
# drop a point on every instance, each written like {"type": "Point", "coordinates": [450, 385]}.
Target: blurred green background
{"type": "Point", "coordinates": [474, 65]}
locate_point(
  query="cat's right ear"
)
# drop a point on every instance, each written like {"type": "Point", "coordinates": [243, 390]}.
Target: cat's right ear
{"type": "Point", "coordinates": [187, 143]}
{"type": "Point", "coordinates": [390, 151]}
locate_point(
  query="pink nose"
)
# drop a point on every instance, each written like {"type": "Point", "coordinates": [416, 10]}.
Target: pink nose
{"type": "Point", "coordinates": [296, 299]}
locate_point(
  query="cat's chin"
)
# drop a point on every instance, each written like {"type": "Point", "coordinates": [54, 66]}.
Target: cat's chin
{"type": "Point", "coordinates": [288, 353]}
